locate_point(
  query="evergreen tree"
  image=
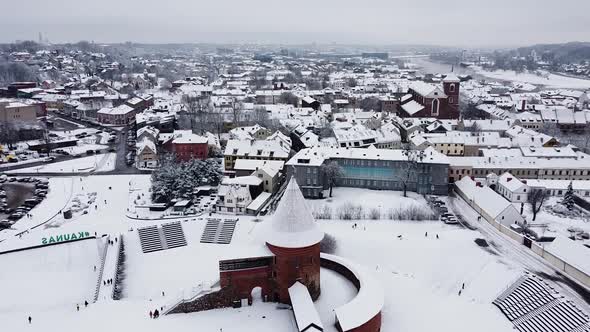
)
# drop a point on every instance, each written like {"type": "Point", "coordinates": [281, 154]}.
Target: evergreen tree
{"type": "Point", "coordinates": [568, 198]}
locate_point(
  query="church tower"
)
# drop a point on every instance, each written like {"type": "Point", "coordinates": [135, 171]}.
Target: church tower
{"type": "Point", "coordinates": [451, 85]}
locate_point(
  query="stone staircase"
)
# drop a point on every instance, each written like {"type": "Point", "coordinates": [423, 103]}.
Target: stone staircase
{"type": "Point", "coordinates": [220, 232]}
{"type": "Point", "coordinates": [532, 305]}
{"type": "Point", "coordinates": [168, 236]}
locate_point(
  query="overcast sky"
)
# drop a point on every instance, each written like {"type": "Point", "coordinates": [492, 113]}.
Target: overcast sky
{"type": "Point", "coordinates": [436, 22]}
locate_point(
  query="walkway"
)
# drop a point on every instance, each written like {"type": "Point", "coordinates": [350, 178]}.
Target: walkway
{"type": "Point", "coordinates": [110, 270]}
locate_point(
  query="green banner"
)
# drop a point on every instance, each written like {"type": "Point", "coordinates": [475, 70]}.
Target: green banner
{"type": "Point", "coordinates": [65, 237]}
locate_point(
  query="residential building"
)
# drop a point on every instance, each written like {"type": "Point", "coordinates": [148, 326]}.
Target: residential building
{"type": "Point", "coordinates": [372, 168]}
{"type": "Point", "coordinates": [490, 205]}
{"type": "Point", "coordinates": [187, 145]}
{"type": "Point", "coordinates": [254, 149]}
{"type": "Point", "coordinates": [513, 189]}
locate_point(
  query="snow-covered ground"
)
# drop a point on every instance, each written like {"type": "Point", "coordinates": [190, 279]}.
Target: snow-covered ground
{"type": "Point", "coordinates": [421, 275]}
{"type": "Point", "coordinates": [95, 163]}
{"type": "Point", "coordinates": [81, 149]}
{"type": "Point", "coordinates": [48, 278]}
{"type": "Point", "coordinates": [368, 199]}
{"type": "Point", "coordinates": [547, 79]}
{"type": "Point", "coordinates": [553, 222]}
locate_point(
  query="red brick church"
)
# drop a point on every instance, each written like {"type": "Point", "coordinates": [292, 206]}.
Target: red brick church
{"type": "Point", "coordinates": [425, 100]}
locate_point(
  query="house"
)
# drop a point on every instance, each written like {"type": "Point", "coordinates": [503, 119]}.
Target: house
{"type": "Point", "coordinates": [147, 153]}
{"type": "Point", "coordinates": [513, 189]}
{"type": "Point", "coordinates": [187, 145]}
{"type": "Point", "coordinates": [429, 100]}
{"type": "Point", "coordinates": [252, 132]}
{"type": "Point", "coordinates": [244, 167]}
{"type": "Point", "coordinates": [270, 177]}
{"type": "Point", "coordinates": [491, 206]}
{"type": "Point", "coordinates": [120, 115]}
{"type": "Point", "coordinates": [235, 195]}
{"type": "Point", "coordinates": [310, 102]}
{"type": "Point", "coordinates": [254, 149]}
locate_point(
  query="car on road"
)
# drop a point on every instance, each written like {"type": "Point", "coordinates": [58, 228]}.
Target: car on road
{"type": "Point", "coordinates": [16, 216]}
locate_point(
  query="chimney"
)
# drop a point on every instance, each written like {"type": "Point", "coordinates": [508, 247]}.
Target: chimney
{"type": "Point", "coordinates": [508, 179]}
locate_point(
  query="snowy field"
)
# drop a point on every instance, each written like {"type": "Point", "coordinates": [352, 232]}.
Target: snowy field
{"type": "Point", "coordinates": [96, 163]}
{"type": "Point", "coordinates": [382, 200]}
{"type": "Point", "coordinates": [549, 80]}
{"type": "Point", "coordinates": [421, 276]}
{"type": "Point", "coordinates": [48, 278]}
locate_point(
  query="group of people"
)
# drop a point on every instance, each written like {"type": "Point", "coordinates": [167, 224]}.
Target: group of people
{"type": "Point", "coordinates": [107, 282]}
{"type": "Point", "coordinates": [155, 314]}
{"type": "Point", "coordinates": [78, 306]}
{"type": "Point", "coordinates": [355, 226]}
{"type": "Point", "coordinates": [426, 235]}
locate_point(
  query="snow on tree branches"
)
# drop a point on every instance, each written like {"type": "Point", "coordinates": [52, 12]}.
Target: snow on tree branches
{"type": "Point", "coordinates": [179, 179]}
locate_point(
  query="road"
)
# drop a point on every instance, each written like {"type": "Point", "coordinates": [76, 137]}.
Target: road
{"type": "Point", "coordinates": [120, 146]}
{"type": "Point", "coordinates": [520, 254]}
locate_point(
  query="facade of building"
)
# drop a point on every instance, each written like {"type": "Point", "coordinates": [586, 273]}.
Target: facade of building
{"type": "Point", "coordinates": [189, 146]}
{"type": "Point", "coordinates": [15, 111]}
{"type": "Point", "coordinates": [372, 168]}
{"type": "Point", "coordinates": [120, 115]}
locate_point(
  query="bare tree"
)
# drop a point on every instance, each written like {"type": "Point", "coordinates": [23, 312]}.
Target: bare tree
{"type": "Point", "coordinates": [406, 172]}
{"type": "Point", "coordinates": [537, 198]}
{"type": "Point", "coordinates": [192, 105]}
{"type": "Point", "coordinates": [9, 134]}
{"type": "Point", "coordinates": [474, 128]}
{"type": "Point", "coordinates": [332, 171]}
{"type": "Point", "coordinates": [288, 98]}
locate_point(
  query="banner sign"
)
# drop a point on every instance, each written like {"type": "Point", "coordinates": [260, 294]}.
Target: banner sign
{"type": "Point", "coordinates": [65, 237]}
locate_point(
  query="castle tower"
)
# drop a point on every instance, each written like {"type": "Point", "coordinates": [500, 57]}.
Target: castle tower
{"type": "Point", "coordinates": [451, 85]}
{"type": "Point", "coordinates": [294, 238]}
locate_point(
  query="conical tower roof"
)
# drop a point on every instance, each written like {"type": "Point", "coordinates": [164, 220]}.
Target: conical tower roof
{"type": "Point", "coordinates": [293, 225]}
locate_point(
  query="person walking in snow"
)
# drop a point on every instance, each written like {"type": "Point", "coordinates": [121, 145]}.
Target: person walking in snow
{"type": "Point", "coordinates": [86, 304]}
{"type": "Point", "coordinates": [459, 292]}
{"type": "Point", "coordinates": [463, 286]}
{"type": "Point", "coordinates": [30, 319]}
{"type": "Point", "coordinates": [426, 234]}
{"type": "Point", "coordinates": [151, 314]}
{"type": "Point", "coordinates": [94, 268]}
{"type": "Point", "coordinates": [77, 307]}
{"type": "Point", "coordinates": [437, 236]}
{"type": "Point", "coordinates": [163, 293]}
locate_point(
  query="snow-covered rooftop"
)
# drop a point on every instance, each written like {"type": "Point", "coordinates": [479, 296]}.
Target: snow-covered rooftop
{"type": "Point", "coordinates": [293, 225]}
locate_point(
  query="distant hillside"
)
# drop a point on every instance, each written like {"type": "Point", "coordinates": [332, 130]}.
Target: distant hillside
{"type": "Point", "coordinates": [568, 52]}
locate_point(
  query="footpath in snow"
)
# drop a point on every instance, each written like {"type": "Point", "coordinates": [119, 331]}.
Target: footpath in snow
{"type": "Point", "coordinates": [105, 289]}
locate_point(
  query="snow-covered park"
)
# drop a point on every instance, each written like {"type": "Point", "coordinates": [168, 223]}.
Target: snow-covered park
{"type": "Point", "coordinates": [421, 266]}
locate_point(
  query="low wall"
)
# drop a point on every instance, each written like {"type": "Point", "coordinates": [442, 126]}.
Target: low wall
{"type": "Point", "coordinates": [562, 266]}
{"type": "Point", "coordinates": [363, 312]}
{"type": "Point", "coordinates": [214, 300]}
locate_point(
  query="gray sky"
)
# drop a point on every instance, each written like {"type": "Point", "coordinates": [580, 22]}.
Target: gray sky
{"type": "Point", "coordinates": [437, 22]}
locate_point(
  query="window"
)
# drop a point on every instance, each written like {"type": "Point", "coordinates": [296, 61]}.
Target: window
{"type": "Point", "coordinates": [434, 107]}
{"type": "Point", "coordinates": [452, 89]}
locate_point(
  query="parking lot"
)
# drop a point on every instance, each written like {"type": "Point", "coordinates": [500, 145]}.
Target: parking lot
{"type": "Point", "coordinates": [18, 196]}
